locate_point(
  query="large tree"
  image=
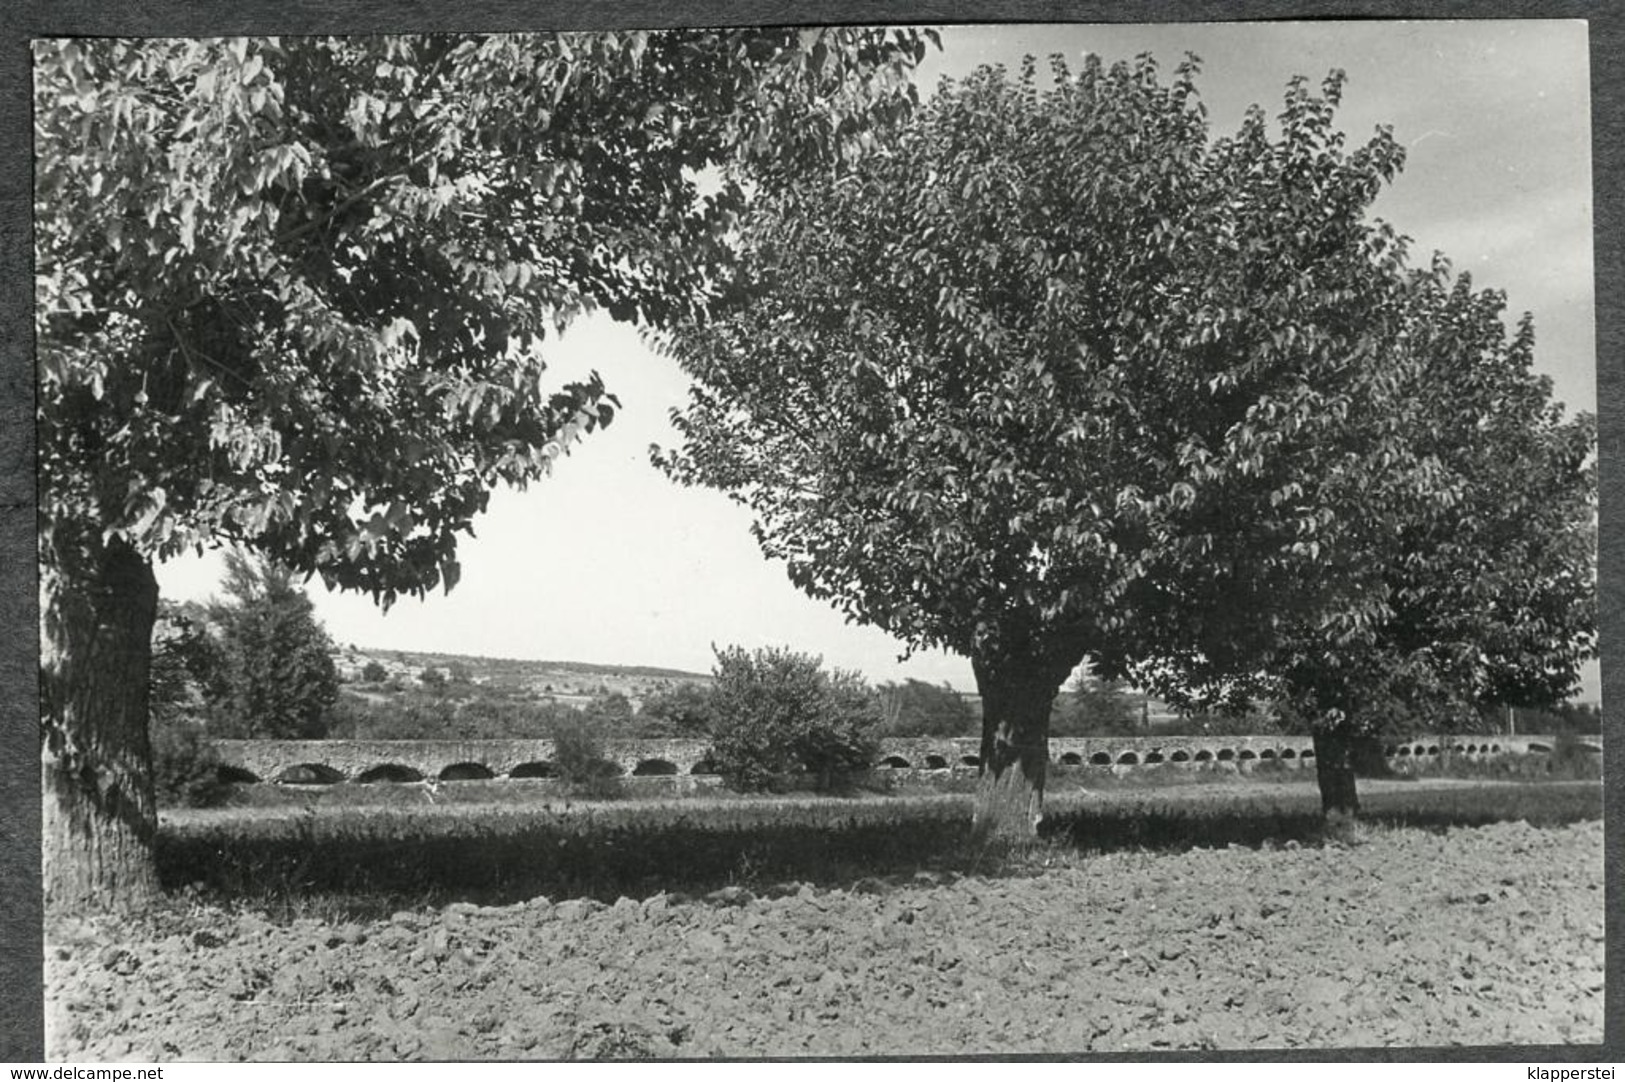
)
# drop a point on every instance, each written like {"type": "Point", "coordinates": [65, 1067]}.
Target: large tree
{"type": "Point", "coordinates": [1487, 588]}
{"type": "Point", "coordinates": [291, 294]}
{"type": "Point", "coordinates": [1057, 377]}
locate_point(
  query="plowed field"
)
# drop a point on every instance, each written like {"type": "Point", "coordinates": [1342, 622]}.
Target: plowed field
{"type": "Point", "coordinates": [1409, 938]}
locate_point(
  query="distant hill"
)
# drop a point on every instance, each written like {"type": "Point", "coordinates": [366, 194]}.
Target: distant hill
{"type": "Point", "coordinates": [564, 680]}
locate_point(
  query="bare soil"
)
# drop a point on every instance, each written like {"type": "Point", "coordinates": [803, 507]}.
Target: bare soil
{"type": "Point", "coordinates": [1403, 938]}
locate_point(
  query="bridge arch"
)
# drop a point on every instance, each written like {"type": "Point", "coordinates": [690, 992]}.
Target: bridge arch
{"type": "Point", "coordinates": [1203, 755]}
{"type": "Point", "coordinates": [309, 774]}
{"type": "Point", "coordinates": [236, 775]}
{"type": "Point", "coordinates": [466, 772]}
{"type": "Point", "coordinates": [970, 760]}
{"type": "Point", "coordinates": [1180, 755]}
{"type": "Point", "coordinates": [538, 768]}
{"type": "Point", "coordinates": [704, 766]}
{"type": "Point", "coordinates": [936, 762]}
{"type": "Point", "coordinates": [1226, 754]}
{"type": "Point", "coordinates": [389, 772]}
{"type": "Point", "coordinates": [1101, 758]}
{"type": "Point", "coordinates": [895, 762]}
{"type": "Point", "coordinates": [652, 768]}
{"type": "Point", "coordinates": [1071, 758]}
{"type": "Point", "coordinates": [1128, 758]}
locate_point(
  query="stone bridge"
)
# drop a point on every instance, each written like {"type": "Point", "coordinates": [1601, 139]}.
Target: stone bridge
{"type": "Point", "coordinates": [328, 761]}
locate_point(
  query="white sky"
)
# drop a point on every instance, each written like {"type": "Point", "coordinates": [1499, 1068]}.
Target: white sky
{"type": "Point", "coordinates": [609, 562]}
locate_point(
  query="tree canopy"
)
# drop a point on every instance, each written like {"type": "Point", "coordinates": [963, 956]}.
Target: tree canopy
{"type": "Point", "coordinates": [1053, 359]}
{"type": "Point", "coordinates": [291, 290]}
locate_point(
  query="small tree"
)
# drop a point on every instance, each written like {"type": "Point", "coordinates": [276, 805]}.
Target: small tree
{"type": "Point", "coordinates": [579, 758]}
{"type": "Point", "coordinates": [374, 673]}
{"type": "Point", "coordinates": [777, 712]}
{"type": "Point", "coordinates": [1095, 707]}
{"type": "Point", "coordinates": [279, 678]}
{"type": "Point", "coordinates": [918, 708]}
{"type": "Point", "coordinates": [683, 710]}
{"type": "Point", "coordinates": [432, 678]}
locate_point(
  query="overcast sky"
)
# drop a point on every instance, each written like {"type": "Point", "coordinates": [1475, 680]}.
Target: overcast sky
{"type": "Point", "coordinates": [609, 562]}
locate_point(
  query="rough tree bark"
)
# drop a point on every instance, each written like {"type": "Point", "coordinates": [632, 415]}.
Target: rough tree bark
{"type": "Point", "coordinates": [1016, 703]}
{"type": "Point", "coordinates": [99, 816]}
{"type": "Point", "coordinates": [1334, 770]}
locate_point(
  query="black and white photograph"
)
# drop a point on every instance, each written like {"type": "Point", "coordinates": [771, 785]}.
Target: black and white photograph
{"type": "Point", "coordinates": [832, 541]}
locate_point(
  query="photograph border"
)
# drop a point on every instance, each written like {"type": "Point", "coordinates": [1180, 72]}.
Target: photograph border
{"type": "Point", "coordinates": [21, 941]}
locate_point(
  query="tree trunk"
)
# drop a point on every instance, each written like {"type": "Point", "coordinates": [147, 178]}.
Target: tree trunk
{"type": "Point", "coordinates": [1334, 770]}
{"type": "Point", "coordinates": [1016, 704]}
{"type": "Point", "coordinates": [99, 814]}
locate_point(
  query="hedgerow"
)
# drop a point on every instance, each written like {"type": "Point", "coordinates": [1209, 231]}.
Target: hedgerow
{"type": "Point", "coordinates": [517, 851]}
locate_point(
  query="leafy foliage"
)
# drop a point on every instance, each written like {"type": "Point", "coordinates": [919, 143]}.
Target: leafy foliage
{"type": "Point", "coordinates": [185, 765]}
{"type": "Point", "coordinates": [918, 708]}
{"type": "Point", "coordinates": [1485, 587]}
{"type": "Point", "coordinates": [1095, 707]}
{"type": "Point", "coordinates": [186, 663]}
{"type": "Point", "coordinates": [610, 712]}
{"type": "Point", "coordinates": [374, 673]}
{"type": "Point", "coordinates": [683, 710]}
{"type": "Point", "coordinates": [776, 712]}
{"type": "Point", "coordinates": [277, 677]}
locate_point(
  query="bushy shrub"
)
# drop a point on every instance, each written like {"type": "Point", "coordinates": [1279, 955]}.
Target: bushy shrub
{"type": "Point", "coordinates": [579, 759]}
{"type": "Point", "coordinates": [374, 673]}
{"type": "Point", "coordinates": [433, 679]}
{"type": "Point", "coordinates": [777, 712]}
{"type": "Point", "coordinates": [185, 766]}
